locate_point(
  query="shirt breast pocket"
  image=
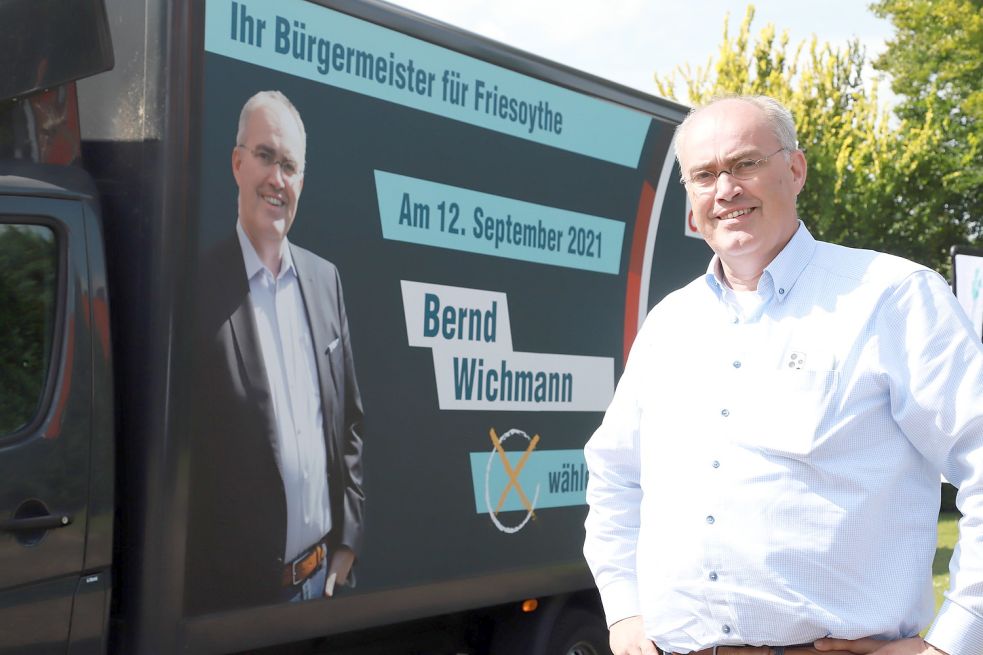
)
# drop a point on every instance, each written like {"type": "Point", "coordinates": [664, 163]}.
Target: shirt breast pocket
{"type": "Point", "coordinates": [790, 410]}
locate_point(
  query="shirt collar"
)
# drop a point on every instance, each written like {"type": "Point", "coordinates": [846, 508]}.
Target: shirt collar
{"type": "Point", "coordinates": [786, 268]}
{"type": "Point", "coordinates": [252, 261]}
{"type": "Point", "coordinates": [781, 274]}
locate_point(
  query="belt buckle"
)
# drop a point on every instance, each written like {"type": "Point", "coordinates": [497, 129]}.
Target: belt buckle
{"type": "Point", "coordinates": [293, 571]}
{"type": "Point", "coordinates": [313, 552]}
{"type": "Point", "coordinates": [294, 581]}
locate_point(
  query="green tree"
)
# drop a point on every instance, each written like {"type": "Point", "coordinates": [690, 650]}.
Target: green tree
{"type": "Point", "coordinates": [872, 183]}
{"type": "Point", "coordinates": [27, 286]}
{"type": "Point", "coordinates": [936, 63]}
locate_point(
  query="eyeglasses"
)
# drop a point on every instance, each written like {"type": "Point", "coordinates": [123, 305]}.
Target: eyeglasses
{"type": "Point", "coordinates": [267, 158]}
{"type": "Point", "coordinates": [743, 169]}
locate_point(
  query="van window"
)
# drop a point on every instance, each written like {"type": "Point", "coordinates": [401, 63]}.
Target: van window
{"type": "Point", "coordinates": [28, 292]}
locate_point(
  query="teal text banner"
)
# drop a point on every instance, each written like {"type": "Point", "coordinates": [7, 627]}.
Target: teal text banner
{"type": "Point", "coordinates": [312, 42]}
{"type": "Point", "coordinates": [548, 478]}
{"type": "Point", "coordinates": [444, 216]}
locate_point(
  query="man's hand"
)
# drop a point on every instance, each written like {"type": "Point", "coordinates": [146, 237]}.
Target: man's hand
{"type": "Point", "coordinates": [338, 570]}
{"type": "Point", "coordinates": [910, 646]}
{"type": "Point", "coordinates": [628, 638]}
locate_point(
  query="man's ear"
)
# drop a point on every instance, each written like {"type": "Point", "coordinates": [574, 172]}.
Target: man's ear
{"type": "Point", "coordinates": [799, 169]}
{"type": "Point", "coordinates": [236, 162]}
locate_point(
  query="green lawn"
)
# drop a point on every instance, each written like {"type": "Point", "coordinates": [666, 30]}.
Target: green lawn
{"type": "Point", "coordinates": [948, 532]}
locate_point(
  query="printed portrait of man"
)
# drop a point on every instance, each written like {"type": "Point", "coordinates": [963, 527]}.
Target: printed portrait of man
{"type": "Point", "coordinates": [275, 502]}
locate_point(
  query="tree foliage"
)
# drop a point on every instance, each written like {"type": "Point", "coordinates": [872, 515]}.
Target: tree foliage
{"type": "Point", "coordinates": [27, 287]}
{"type": "Point", "coordinates": [873, 182]}
{"type": "Point", "coordinates": [936, 63]}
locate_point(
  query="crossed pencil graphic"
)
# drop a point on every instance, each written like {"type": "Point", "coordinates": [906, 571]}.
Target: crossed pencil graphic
{"type": "Point", "coordinates": [513, 473]}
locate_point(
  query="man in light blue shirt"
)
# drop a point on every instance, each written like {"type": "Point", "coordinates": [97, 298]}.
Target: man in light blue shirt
{"type": "Point", "coordinates": [767, 475]}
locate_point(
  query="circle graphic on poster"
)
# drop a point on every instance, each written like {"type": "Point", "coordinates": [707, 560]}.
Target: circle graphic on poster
{"type": "Point", "coordinates": [513, 482]}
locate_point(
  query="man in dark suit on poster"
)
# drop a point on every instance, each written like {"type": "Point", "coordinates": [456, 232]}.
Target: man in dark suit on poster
{"type": "Point", "coordinates": [276, 502]}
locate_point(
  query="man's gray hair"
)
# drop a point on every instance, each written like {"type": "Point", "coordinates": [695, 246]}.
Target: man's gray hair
{"type": "Point", "coordinates": [778, 117]}
{"type": "Point", "coordinates": [266, 98]}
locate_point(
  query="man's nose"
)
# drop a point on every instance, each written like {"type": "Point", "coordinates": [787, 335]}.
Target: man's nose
{"type": "Point", "coordinates": [274, 173]}
{"type": "Point", "coordinates": [727, 188]}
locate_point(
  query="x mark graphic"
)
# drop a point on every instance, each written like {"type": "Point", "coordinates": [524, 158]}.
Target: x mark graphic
{"type": "Point", "coordinates": [513, 474]}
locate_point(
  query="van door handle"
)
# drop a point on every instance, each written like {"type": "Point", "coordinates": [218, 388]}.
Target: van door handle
{"type": "Point", "coordinates": [35, 523]}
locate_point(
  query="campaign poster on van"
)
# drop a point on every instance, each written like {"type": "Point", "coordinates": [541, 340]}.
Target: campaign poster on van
{"type": "Point", "coordinates": [418, 273]}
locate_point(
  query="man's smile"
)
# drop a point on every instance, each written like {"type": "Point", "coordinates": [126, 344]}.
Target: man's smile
{"type": "Point", "coordinates": [735, 213]}
{"type": "Point", "coordinates": [276, 201]}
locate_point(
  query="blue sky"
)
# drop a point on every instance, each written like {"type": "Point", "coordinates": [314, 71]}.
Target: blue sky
{"type": "Point", "coordinates": [628, 40]}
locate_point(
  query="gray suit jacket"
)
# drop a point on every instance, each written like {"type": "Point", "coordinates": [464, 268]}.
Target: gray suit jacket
{"type": "Point", "coordinates": [237, 507]}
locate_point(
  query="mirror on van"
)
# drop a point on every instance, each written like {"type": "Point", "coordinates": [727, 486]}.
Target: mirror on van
{"type": "Point", "coordinates": [51, 42]}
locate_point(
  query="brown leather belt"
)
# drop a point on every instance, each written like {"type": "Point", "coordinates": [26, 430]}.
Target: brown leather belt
{"type": "Point", "coordinates": [304, 566]}
{"type": "Point", "coordinates": [742, 650]}
{"type": "Point", "coordinates": [735, 650]}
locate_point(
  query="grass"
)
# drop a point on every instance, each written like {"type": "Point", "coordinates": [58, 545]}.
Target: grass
{"type": "Point", "coordinates": [948, 533]}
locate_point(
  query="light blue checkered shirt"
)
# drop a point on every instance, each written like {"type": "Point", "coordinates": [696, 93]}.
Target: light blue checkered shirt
{"type": "Point", "coordinates": [770, 478]}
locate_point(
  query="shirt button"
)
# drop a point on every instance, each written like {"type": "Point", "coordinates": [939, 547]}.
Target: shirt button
{"type": "Point", "coordinates": [781, 291]}
{"type": "Point", "coordinates": [726, 629]}
{"type": "Point", "coordinates": [725, 413]}
{"type": "Point", "coordinates": [715, 464]}
{"type": "Point", "coordinates": [710, 520]}
{"type": "Point", "coordinates": [713, 576]}
{"type": "Point", "coordinates": [737, 364]}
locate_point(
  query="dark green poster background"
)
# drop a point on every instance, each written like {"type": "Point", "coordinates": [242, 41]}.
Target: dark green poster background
{"type": "Point", "coordinates": [421, 523]}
